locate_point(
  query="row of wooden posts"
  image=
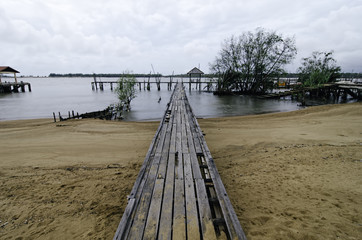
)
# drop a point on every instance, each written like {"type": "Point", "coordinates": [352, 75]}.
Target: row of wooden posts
{"type": "Point", "coordinates": [8, 87]}
{"type": "Point", "coordinates": [147, 85]}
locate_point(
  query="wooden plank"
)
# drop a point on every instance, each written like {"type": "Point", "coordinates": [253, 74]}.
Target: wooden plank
{"type": "Point", "coordinates": [140, 217]}
{"type": "Point", "coordinates": [153, 217]}
{"type": "Point", "coordinates": [125, 221]}
{"type": "Point", "coordinates": [146, 162]}
{"type": "Point", "coordinates": [178, 161]}
{"type": "Point", "coordinates": [193, 157]}
{"type": "Point", "coordinates": [192, 220]}
{"type": "Point", "coordinates": [173, 132]}
{"type": "Point", "coordinates": [184, 144]}
{"type": "Point", "coordinates": [165, 229]}
{"type": "Point", "coordinates": [165, 152]}
{"type": "Point", "coordinates": [166, 219]}
{"type": "Point", "coordinates": [231, 220]}
{"type": "Point", "coordinates": [156, 201]}
{"type": "Point", "coordinates": [207, 226]}
{"type": "Point", "coordinates": [187, 167]}
{"type": "Point", "coordinates": [194, 131]}
{"type": "Point", "coordinates": [141, 212]}
{"type": "Point", "coordinates": [179, 216]}
{"type": "Point", "coordinates": [233, 225]}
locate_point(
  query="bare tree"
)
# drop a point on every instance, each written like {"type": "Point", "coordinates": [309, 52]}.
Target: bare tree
{"type": "Point", "coordinates": [249, 63]}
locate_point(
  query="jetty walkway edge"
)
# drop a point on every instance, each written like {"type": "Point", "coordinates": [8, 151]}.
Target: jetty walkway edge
{"type": "Point", "coordinates": [178, 193]}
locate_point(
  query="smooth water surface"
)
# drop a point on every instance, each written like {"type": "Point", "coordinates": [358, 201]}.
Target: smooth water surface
{"type": "Point", "coordinates": [66, 94]}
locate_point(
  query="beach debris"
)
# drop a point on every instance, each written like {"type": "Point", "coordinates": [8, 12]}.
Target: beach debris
{"type": "Point", "coordinates": [61, 125]}
{"type": "Point", "coordinates": [114, 165]}
{"type": "Point", "coordinates": [3, 225]}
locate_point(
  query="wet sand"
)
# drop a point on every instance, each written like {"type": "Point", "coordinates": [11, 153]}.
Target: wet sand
{"type": "Point", "coordinates": [294, 175]}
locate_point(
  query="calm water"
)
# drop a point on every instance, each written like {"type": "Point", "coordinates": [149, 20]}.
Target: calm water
{"type": "Point", "coordinates": [66, 94]}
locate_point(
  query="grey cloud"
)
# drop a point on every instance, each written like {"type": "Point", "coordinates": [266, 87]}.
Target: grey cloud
{"type": "Point", "coordinates": [112, 36]}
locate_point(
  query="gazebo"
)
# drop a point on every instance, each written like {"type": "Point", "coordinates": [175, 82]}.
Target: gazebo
{"type": "Point", "coordinates": [195, 73]}
{"type": "Point", "coordinates": [7, 69]}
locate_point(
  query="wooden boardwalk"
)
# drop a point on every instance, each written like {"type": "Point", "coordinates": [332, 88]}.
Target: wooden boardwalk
{"type": "Point", "coordinates": [178, 193]}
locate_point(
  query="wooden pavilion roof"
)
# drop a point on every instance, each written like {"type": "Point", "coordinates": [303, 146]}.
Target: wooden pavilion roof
{"type": "Point", "coordinates": [195, 70]}
{"type": "Point", "coordinates": [7, 69]}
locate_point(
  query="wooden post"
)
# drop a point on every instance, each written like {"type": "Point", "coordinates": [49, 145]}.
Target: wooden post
{"type": "Point", "coordinates": [55, 120]}
{"type": "Point", "coordinates": [22, 86]}
{"type": "Point", "coordinates": [73, 113]}
{"type": "Point", "coordinates": [16, 80]}
{"type": "Point", "coordinates": [69, 114]}
{"type": "Point", "coordinates": [95, 80]}
{"type": "Point", "coordinates": [92, 85]}
{"type": "Point", "coordinates": [140, 86]}
{"type": "Point", "coordinates": [190, 83]}
{"type": "Point", "coordinates": [344, 96]}
{"type": "Point", "coordinates": [111, 86]}
{"type": "Point", "coordinates": [148, 83]}
{"type": "Point", "coordinates": [101, 86]}
{"type": "Point", "coordinates": [29, 87]}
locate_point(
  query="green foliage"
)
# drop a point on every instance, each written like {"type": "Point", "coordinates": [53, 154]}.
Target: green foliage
{"type": "Point", "coordinates": [249, 63]}
{"type": "Point", "coordinates": [318, 69]}
{"type": "Point", "coordinates": [125, 89]}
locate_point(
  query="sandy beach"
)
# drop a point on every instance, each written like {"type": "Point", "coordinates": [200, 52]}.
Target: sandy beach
{"type": "Point", "coordinates": [294, 175]}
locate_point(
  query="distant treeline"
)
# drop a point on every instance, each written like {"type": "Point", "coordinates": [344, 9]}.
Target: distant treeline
{"type": "Point", "coordinates": [137, 75]}
{"type": "Point", "coordinates": [104, 75]}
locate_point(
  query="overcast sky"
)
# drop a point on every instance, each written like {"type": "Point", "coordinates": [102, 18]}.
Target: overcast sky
{"type": "Point", "coordinates": [39, 37]}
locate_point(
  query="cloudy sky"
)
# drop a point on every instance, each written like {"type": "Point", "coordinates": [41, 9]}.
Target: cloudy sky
{"type": "Point", "coordinates": [39, 37]}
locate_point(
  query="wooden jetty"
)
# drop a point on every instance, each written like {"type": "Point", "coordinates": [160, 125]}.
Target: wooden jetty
{"type": "Point", "coordinates": [178, 193]}
{"type": "Point", "coordinates": [146, 84]}
{"type": "Point", "coordinates": [8, 87]}
{"type": "Point", "coordinates": [334, 89]}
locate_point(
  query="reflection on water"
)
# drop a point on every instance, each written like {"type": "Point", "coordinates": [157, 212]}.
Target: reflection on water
{"type": "Point", "coordinates": [66, 94]}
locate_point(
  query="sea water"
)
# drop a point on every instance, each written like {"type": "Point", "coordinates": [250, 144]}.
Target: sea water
{"type": "Point", "coordinates": [75, 94]}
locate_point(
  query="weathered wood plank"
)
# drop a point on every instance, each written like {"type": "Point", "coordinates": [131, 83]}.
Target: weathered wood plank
{"type": "Point", "coordinates": [165, 229]}
{"type": "Point", "coordinates": [193, 157]}
{"type": "Point", "coordinates": [166, 219]}
{"type": "Point", "coordinates": [179, 216]}
{"type": "Point", "coordinates": [205, 216]}
{"type": "Point", "coordinates": [184, 144]}
{"type": "Point", "coordinates": [141, 213]}
{"type": "Point", "coordinates": [150, 231]}
{"type": "Point", "coordinates": [123, 225]}
{"type": "Point", "coordinates": [234, 228]}
{"type": "Point", "coordinates": [142, 208]}
{"type": "Point", "coordinates": [192, 220]}
{"type": "Point", "coordinates": [178, 161]}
